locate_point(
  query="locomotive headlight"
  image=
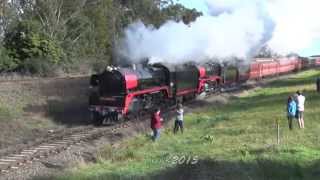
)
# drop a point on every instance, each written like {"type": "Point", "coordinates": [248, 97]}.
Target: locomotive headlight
{"type": "Point", "coordinates": [171, 84]}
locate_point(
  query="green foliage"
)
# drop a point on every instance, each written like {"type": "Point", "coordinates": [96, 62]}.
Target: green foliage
{"type": "Point", "coordinates": [30, 50]}
{"type": "Point", "coordinates": [5, 114]}
{"type": "Point", "coordinates": [7, 63]}
{"type": "Point", "coordinates": [178, 12]}
{"type": "Point", "coordinates": [26, 43]}
{"type": "Point", "coordinates": [42, 66]}
{"type": "Point", "coordinates": [208, 138]}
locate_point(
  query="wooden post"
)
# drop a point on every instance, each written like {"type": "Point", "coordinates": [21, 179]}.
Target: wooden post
{"type": "Point", "coordinates": [278, 131]}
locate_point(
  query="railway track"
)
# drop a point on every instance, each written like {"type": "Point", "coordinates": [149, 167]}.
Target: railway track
{"type": "Point", "coordinates": [42, 150]}
{"type": "Point", "coordinates": [51, 136]}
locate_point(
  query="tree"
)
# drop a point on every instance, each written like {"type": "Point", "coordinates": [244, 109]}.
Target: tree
{"type": "Point", "coordinates": [26, 41]}
{"type": "Point", "coordinates": [65, 32]}
{"type": "Point", "coordinates": [266, 52]}
{"type": "Point", "coordinates": [7, 63]}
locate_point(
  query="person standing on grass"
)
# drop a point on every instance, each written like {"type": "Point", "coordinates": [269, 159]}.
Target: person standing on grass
{"type": "Point", "coordinates": [300, 103]}
{"type": "Point", "coordinates": [179, 120]}
{"type": "Point", "coordinates": [291, 111]}
{"type": "Point", "coordinates": [295, 98]}
{"type": "Point", "coordinates": [156, 124]}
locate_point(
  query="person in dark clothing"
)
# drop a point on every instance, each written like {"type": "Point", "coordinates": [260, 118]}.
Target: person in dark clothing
{"type": "Point", "coordinates": [156, 124]}
{"type": "Point", "coordinates": [179, 120]}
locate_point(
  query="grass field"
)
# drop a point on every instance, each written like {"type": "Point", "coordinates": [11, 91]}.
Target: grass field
{"type": "Point", "coordinates": [233, 141]}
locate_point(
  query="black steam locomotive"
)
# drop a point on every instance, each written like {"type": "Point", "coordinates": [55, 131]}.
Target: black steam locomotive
{"type": "Point", "coordinates": [119, 92]}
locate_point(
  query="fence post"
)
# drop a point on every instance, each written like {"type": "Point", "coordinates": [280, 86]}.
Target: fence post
{"type": "Point", "coordinates": [318, 84]}
{"type": "Point", "coordinates": [278, 130]}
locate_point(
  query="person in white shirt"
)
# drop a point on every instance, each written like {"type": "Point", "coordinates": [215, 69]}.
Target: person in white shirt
{"type": "Point", "coordinates": [300, 106]}
{"type": "Point", "coordinates": [179, 120]}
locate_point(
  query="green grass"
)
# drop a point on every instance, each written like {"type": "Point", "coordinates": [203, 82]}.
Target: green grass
{"type": "Point", "coordinates": [12, 103]}
{"type": "Point", "coordinates": [233, 141]}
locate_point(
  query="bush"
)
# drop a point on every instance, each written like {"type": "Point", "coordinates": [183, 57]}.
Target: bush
{"type": "Point", "coordinates": [41, 66]}
{"type": "Point", "coordinates": [99, 65]}
{"type": "Point", "coordinates": [7, 63]}
{"type": "Point", "coordinates": [28, 44]}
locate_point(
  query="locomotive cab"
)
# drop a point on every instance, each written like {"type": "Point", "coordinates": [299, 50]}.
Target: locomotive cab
{"type": "Point", "coordinates": [182, 80]}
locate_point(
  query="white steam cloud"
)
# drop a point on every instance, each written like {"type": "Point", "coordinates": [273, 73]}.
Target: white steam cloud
{"type": "Point", "coordinates": [234, 28]}
{"type": "Point", "coordinates": [297, 24]}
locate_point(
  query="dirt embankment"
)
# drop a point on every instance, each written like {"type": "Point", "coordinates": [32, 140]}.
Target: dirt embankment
{"type": "Point", "coordinates": [28, 109]}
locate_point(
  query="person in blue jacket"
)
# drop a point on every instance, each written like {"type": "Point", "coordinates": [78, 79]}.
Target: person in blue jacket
{"type": "Point", "coordinates": [291, 110]}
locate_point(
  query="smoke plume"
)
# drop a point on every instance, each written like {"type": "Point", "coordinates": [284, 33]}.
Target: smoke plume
{"type": "Point", "coordinates": [297, 24]}
{"type": "Point", "coordinates": [233, 28]}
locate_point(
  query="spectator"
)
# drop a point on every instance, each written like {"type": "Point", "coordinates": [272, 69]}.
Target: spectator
{"type": "Point", "coordinates": [156, 124]}
{"type": "Point", "coordinates": [179, 119]}
{"type": "Point", "coordinates": [291, 111]}
{"type": "Point", "coordinates": [300, 103]}
{"type": "Point", "coordinates": [295, 98]}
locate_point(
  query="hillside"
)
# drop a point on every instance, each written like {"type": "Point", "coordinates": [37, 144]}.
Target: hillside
{"type": "Point", "coordinates": [236, 139]}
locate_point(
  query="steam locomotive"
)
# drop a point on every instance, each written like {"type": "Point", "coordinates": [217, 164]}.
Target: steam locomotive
{"type": "Point", "coordinates": [119, 92]}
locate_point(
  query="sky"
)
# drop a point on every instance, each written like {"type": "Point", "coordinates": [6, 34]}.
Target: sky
{"type": "Point", "coordinates": [312, 49]}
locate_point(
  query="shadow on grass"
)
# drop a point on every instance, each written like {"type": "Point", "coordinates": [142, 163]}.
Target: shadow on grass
{"type": "Point", "coordinates": [69, 113]}
{"type": "Point", "coordinates": [260, 169]}
{"type": "Point", "coordinates": [66, 101]}
{"type": "Point", "coordinates": [211, 169]}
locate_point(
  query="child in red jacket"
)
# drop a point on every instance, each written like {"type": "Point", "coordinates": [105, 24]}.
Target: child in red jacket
{"type": "Point", "coordinates": [156, 124]}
